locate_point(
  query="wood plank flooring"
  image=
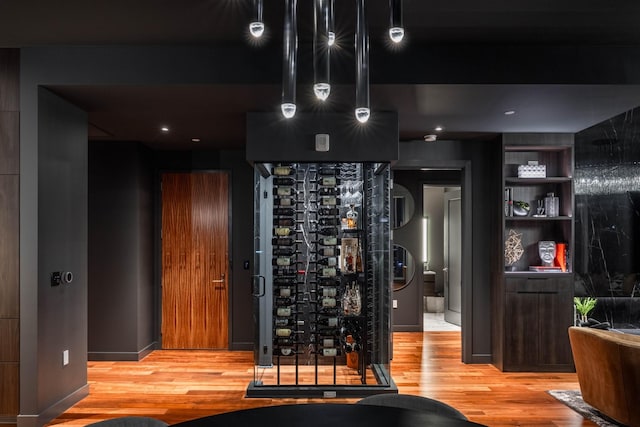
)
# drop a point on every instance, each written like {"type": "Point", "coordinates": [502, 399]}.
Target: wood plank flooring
{"type": "Point", "coordinates": [180, 385]}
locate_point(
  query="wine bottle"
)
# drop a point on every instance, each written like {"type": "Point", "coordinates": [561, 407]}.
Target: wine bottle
{"type": "Point", "coordinates": [327, 191]}
{"type": "Point", "coordinates": [286, 251]}
{"type": "Point", "coordinates": [329, 282]}
{"type": "Point", "coordinates": [284, 181]}
{"type": "Point", "coordinates": [287, 341]}
{"type": "Point", "coordinates": [328, 272]}
{"type": "Point", "coordinates": [284, 201]}
{"type": "Point", "coordinates": [332, 251]}
{"type": "Point", "coordinates": [329, 211]}
{"type": "Point", "coordinates": [286, 351]}
{"type": "Point", "coordinates": [285, 281]}
{"type": "Point", "coordinates": [283, 170]}
{"type": "Point", "coordinates": [328, 302]}
{"type": "Point", "coordinates": [284, 191]}
{"type": "Point", "coordinates": [283, 231]}
{"type": "Point", "coordinates": [352, 218]}
{"type": "Point", "coordinates": [284, 211]}
{"type": "Point", "coordinates": [329, 241]}
{"type": "Point", "coordinates": [286, 332]}
{"type": "Point", "coordinates": [329, 292]}
{"type": "Point", "coordinates": [327, 332]}
{"type": "Point", "coordinates": [352, 346]}
{"type": "Point", "coordinates": [282, 261]}
{"type": "Point", "coordinates": [285, 312]}
{"type": "Point", "coordinates": [284, 292]}
{"type": "Point", "coordinates": [329, 261]}
{"type": "Point", "coordinates": [329, 221]}
{"type": "Point", "coordinates": [280, 241]}
{"type": "Point", "coordinates": [327, 170]}
{"type": "Point", "coordinates": [284, 301]}
{"type": "Point", "coordinates": [327, 231]}
{"type": "Point", "coordinates": [284, 222]}
{"type": "Point", "coordinates": [328, 321]}
{"type": "Point", "coordinates": [329, 201]}
{"type": "Point", "coordinates": [285, 321]}
{"type": "Point", "coordinates": [329, 352]}
{"type": "Point", "coordinates": [329, 181]}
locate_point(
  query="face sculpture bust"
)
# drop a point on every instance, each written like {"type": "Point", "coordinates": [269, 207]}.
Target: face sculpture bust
{"type": "Point", "coordinates": [547, 252]}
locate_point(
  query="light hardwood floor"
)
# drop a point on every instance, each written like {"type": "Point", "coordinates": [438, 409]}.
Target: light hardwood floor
{"type": "Point", "coordinates": [176, 386]}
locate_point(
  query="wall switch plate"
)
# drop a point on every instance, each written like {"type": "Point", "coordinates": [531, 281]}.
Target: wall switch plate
{"type": "Point", "coordinates": [65, 357]}
{"type": "Point", "coordinates": [395, 303]}
{"type": "Point", "coordinates": [329, 394]}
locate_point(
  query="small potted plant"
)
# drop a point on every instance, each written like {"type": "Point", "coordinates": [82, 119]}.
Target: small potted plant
{"type": "Point", "coordinates": [584, 306]}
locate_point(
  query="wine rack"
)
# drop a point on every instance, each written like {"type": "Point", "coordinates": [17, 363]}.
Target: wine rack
{"type": "Point", "coordinates": [319, 308]}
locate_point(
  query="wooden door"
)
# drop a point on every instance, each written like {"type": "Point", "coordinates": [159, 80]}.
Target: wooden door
{"type": "Point", "coordinates": [453, 257]}
{"type": "Point", "coordinates": [195, 242]}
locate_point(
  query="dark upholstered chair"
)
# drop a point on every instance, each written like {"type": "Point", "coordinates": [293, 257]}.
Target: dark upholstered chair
{"type": "Point", "coordinates": [608, 369]}
{"type": "Point", "coordinates": [130, 422]}
{"type": "Point", "coordinates": [408, 401]}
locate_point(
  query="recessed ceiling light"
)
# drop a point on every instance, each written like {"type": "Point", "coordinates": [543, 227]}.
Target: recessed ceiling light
{"type": "Point", "coordinates": [195, 139]}
{"type": "Point", "coordinates": [509, 112]}
{"type": "Point", "coordinates": [164, 129]}
{"type": "Point", "coordinates": [430, 138]}
{"type": "Point", "coordinates": [438, 128]}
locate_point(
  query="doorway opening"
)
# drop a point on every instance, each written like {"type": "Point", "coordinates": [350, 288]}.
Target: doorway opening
{"type": "Point", "coordinates": [441, 256]}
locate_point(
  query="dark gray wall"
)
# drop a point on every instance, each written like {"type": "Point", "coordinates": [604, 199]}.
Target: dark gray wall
{"type": "Point", "coordinates": [121, 293]}
{"type": "Point", "coordinates": [478, 160]}
{"type": "Point", "coordinates": [61, 236]}
{"type": "Point", "coordinates": [272, 138]}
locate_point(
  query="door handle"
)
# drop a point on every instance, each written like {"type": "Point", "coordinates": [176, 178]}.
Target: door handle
{"type": "Point", "coordinates": [219, 281]}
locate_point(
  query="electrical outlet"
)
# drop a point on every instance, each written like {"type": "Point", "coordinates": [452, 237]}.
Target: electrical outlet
{"type": "Point", "coordinates": [395, 303]}
{"type": "Point", "coordinates": [65, 357]}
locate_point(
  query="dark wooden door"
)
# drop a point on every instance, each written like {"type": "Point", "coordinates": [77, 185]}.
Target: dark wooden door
{"type": "Point", "coordinates": [453, 257]}
{"type": "Point", "coordinates": [195, 242]}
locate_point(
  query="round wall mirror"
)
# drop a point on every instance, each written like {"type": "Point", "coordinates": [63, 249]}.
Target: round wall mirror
{"type": "Point", "coordinates": [402, 204]}
{"type": "Point", "coordinates": [403, 267]}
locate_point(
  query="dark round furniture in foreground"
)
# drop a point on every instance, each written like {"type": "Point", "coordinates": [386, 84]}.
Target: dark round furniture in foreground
{"type": "Point", "coordinates": [409, 401]}
{"type": "Point", "coordinates": [327, 415]}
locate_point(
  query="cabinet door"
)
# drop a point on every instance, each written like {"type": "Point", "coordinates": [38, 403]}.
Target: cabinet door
{"type": "Point", "coordinates": [556, 315]}
{"type": "Point", "coordinates": [521, 329]}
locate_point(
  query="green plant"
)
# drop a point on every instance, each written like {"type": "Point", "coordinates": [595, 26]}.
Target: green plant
{"type": "Point", "coordinates": [584, 306]}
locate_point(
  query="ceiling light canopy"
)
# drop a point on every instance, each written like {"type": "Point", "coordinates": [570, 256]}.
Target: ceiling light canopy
{"type": "Point", "coordinates": [324, 37]}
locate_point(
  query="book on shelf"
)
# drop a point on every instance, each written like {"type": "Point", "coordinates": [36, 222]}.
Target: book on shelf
{"type": "Point", "coordinates": [508, 201]}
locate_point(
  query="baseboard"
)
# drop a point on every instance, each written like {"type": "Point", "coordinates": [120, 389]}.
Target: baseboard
{"type": "Point", "coordinates": [8, 421]}
{"type": "Point", "coordinates": [55, 410]}
{"type": "Point", "coordinates": [121, 356]}
{"type": "Point", "coordinates": [407, 328]}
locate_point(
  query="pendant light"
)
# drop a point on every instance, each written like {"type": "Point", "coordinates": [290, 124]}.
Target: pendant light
{"type": "Point", "coordinates": [321, 65]}
{"type": "Point", "coordinates": [362, 110]}
{"type": "Point", "coordinates": [289, 59]}
{"type": "Point", "coordinates": [331, 35]}
{"type": "Point", "coordinates": [396, 29]}
{"type": "Point", "coordinates": [256, 26]}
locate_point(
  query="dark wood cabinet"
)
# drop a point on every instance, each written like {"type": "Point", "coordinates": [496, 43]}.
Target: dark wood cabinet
{"type": "Point", "coordinates": [538, 312]}
{"type": "Point", "coordinates": [534, 303]}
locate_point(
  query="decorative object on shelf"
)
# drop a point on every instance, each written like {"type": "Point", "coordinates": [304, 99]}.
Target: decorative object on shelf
{"type": "Point", "coordinates": [532, 170]}
{"type": "Point", "coordinates": [551, 205]}
{"type": "Point", "coordinates": [521, 208]}
{"type": "Point", "coordinates": [540, 212]}
{"type": "Point", "coordinates": [561, 256]}
{"type": "Point", "coordinates": [547, 252]}
{"type": "Point", "coordinates": [508, 201]}
{"type": "Point", "coordinates": [584, 306]}
{"type": "Point", "coordinates": [513, 249]}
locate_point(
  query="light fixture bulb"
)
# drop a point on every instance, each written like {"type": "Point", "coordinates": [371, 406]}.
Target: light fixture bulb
{"type": "Point", "coordinates": [331, 38]}
{"type": "Point", "coordinates": [322, 90]}
{"type": "Point", "coordinates": [288, 110]}
{"type": "Point", "coordinates": [256, 29]}
{"type": "Point", "coordinates": [362, 114]}
{"type": "Point", "coordinates": [396, 34]}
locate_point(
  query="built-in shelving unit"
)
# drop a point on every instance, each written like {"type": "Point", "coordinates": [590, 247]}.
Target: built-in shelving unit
{"type": "Point", "coordinates": [534, 299]}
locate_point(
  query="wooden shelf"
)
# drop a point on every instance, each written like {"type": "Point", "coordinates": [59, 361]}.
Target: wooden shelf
{"type": "Point", "coordinates": [537, 181]}
{"type": "Point", "coordinates": [538, 218]}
